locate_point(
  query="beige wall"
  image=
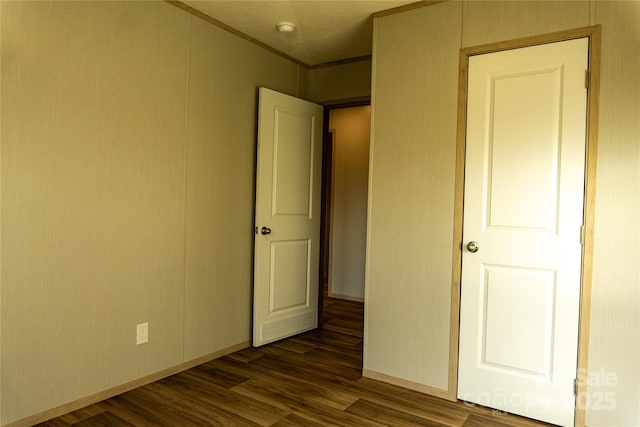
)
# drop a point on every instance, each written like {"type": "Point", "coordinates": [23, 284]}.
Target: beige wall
{"type": "Point", "coordinates": [412, 176]}
{"type": "Point", "coordinates": [128, 153]}
{"type": "Point", "coordinates": [407, 294]}
{"type": "Point", "coordinates": [615, 308]}
{"type": "Point", "coordinates": [350, 81]}
{"type": "Point", "coordinates": [350, 127]}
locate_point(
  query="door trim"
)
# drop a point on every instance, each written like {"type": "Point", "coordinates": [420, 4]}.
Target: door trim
{"type": "Point", "coordinates": [594, 34]}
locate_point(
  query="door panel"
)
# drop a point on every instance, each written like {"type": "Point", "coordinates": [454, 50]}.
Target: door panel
{"type": "Point", "coordinates": [288, 210]}
{"type": "Point", "coordinates": [523, 205]}
{"type": "Point", "coordinates": [290, 267]}
{"type": "Point", "coordinates": [292, 162]}
{"type": "Point", "coordinates": [530, 309]}
{"type": "Point", "coordinates": [524, 133]}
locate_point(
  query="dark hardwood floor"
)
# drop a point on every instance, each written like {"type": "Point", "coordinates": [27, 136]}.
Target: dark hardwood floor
{"type": "Point", "coordinates": [342, 316]}
{"type": "Point", "coordinates": [309, 380]}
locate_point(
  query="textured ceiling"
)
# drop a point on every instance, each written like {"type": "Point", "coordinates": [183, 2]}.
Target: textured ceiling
{"type": "Point", "coordinates": [327, 30]}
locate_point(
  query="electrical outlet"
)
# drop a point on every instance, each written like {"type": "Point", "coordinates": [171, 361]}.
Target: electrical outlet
{"type": "Point", "coordinates": [142, 333]}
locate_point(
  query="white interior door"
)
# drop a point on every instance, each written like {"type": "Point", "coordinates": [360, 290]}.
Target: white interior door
{"type": "Point", "coordinates": [287, 239]}
{"type": "Point", "coordinates": [523, 212]}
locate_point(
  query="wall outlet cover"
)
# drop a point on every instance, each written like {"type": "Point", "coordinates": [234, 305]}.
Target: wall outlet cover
{"type": "Point", "coordinates": [142, 333]}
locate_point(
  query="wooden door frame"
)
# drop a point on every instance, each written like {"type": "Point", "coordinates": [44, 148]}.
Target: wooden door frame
{"type": "Point", "coordinates": [325, 210]}
{"type": "Point", "coordinates": [594, 34]}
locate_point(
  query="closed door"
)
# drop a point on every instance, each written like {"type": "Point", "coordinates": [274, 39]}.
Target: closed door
{"type": "Point", "coordinates": [287, 228]}
{"type": "Point", "coordinates": [523, 215]}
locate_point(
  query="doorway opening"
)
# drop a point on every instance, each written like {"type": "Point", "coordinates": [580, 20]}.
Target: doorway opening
{"type": "Point", "coordinates": [344, 217]}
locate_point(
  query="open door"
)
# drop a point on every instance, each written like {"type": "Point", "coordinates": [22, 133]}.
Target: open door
{"type": "Point", "coordinates": [287, 228]}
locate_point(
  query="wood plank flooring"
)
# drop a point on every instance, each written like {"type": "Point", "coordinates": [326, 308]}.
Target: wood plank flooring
{"type": "Point", "coordinates": [309, 380]}
{"type": "Point", "coordinates": [343, 316]}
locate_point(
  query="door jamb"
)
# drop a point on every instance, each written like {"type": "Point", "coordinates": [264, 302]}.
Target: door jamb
{"type": "Point", "coordinates": [594, 35]}
{"type": "Point", "coordinates": [325, 209]}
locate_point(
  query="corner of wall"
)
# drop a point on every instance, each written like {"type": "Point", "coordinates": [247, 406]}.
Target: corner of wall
{"type": "Point", "coordinates": [303, 82]}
